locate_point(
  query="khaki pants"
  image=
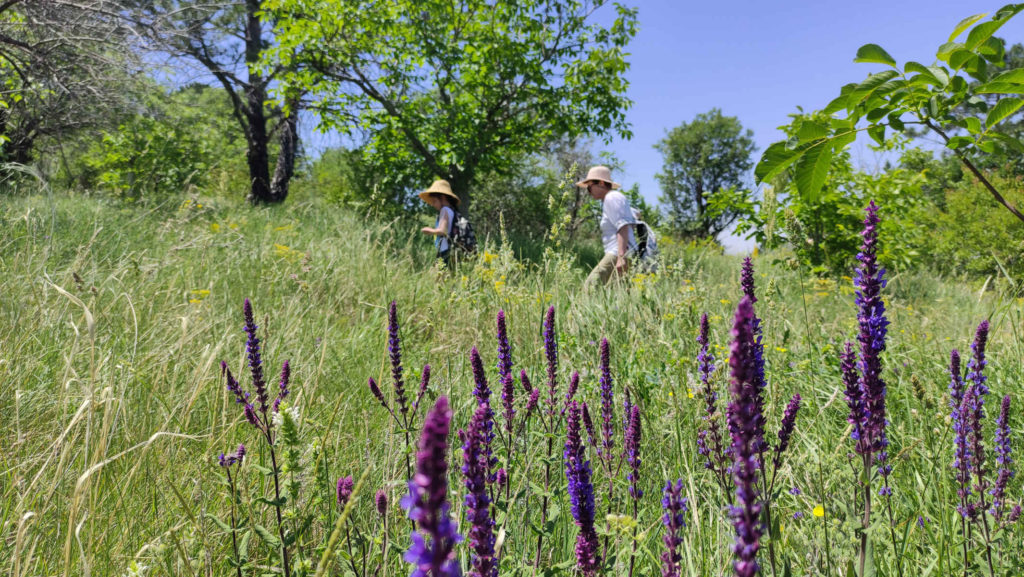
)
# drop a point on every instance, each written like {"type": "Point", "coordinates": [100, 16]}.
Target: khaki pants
{"type": "Point", "coordinates": [604, 272]}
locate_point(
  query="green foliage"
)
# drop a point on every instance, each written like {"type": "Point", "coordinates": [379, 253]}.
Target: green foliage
{"type": "Point", "coordinates": [456, 91]}
{"type": "Point", "coordinates": [934, 96]}
{"type": "Point", "coordinates": [183, 139]}
{"type": "Point", "coordinates": [704, 159]}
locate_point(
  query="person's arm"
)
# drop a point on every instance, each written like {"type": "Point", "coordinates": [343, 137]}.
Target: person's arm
{"type": "Point", "coordinates": [442, 226]}
{"type": "Point", "coordinates": [622, 239]}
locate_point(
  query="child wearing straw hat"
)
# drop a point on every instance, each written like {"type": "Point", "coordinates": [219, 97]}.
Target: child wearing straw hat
{"type": "Point", "coordinates": [617, 223]}
{"type": "Point", "coordinates": [441, 197]}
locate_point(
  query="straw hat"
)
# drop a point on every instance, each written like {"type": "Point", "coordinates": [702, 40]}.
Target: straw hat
{"type": "Point", "coordinates": [602, 173]}
{"type": "Point", "coordinates": [440, 187]}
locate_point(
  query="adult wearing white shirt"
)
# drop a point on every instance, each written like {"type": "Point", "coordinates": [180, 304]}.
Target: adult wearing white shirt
{"type": "Point", "coordinates": [616, 225]}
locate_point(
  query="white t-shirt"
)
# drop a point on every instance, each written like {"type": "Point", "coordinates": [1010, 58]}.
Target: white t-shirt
{"type": "Point", "coordinates": [441, 242]}
{"type": "Point", "coordinates": [615, 214]}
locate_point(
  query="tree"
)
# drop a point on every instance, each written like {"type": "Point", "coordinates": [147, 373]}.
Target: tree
{"type": "Point", "coordinates": [454, 90]}
{"type": "Point", "coordinates": [933, 97]}
{"type": "Point", "coordinates": [65, 66]}
{"type": "Point", "coordinates": [227, 38]}
{"type": "Point", "coordinates": [703, 158]}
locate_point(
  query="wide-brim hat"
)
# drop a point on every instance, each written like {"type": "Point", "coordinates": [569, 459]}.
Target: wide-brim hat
{"type": "Point", "coordinates": [602, 173]}
{"type": "Point", "coordinates": [440, 187]}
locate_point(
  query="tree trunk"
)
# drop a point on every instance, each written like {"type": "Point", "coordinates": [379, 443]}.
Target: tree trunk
{"type": "Point", "coordinates": [460, 179]}
{"type": "Point", "coordinates": [256, 96]}
{"type": "Point", "coordinates": [289, 144]}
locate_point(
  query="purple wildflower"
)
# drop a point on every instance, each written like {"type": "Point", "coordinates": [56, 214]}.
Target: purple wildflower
{"type": "Point", "coordinates": [252, 347]}
{"type": "Point", "coordinates": [551, 353]}
{"type": "Point", "coordinates": [1014, 514]}
{"type": "Point", "coordinates": [525, 380]}
{"type": "Point", "coordinates": [976, 366]}
{"type": "Point", "coordinates": [756, 355]}
{"type": "Point", "coordinates": [475, 470]}
{"type": "Point", "coordinates": [286, 374]}
{"type": "Point", "coordinates": [581, 494]}
{"type": "Point", "coordinates": [921, 521]}
{"type": "Point", "coordinates": [632, 443]}
{"type": "Point", "coordinates": [501, 478]}
{"type": "Point", "coordinates": [531, 403]}
{"type": "Point", "coordinates": [962, 452]}
{"type": "Point", "coordinates": [709, 439]}
{"type": "Point", "coordinates": [344, 490]}
{"type": "Point", "coordinates": [854, 395]}
{"type": "Point", "coordinates": [482, 392]}
{"type": "Point", "coordinates": [607, 407]}
{"type": "Point", "coordinates": [798, 515]}
{"type": "Point", "coordinates": [574, 385]}
{"type": "Point", "coordinates": [956, 384]}
{"type": "Point", "coordinates": [589, 424]}
{"type": "Point", "coordinates": [786, 428]}
{"type": "Point", "coordinates": [377, 392]}
{"type": "Point", "coordinates": [745, 420]}
{"type": "Point", "coordinates": [395, 353]}
{"type": "Point", "coordinates": [975, 415]}
{"type": "Point", "coordinates": [427, 501]}
{"type": "Point", "coordinates": [229, 460]}
{"type": "Point", "coordinates": [674, 505]}
{"type": "Point", "coordinates": [240, 396]}
{"type": "Point", "coordinates": [505, 373]}
{"type": "Point", "coordinates": [1003, 458]}
{"type": "Point", "coordinates": [381, 502]}
{"type": "Point", "coordinates": [795, 491]}
{"type": "Point", "coordinates": [870, 281]}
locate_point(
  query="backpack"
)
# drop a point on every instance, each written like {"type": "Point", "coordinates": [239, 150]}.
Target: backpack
{"type": "Point", "coordinates": [646, 246]}
{"type": "Point", "coordinates": [461, 234]}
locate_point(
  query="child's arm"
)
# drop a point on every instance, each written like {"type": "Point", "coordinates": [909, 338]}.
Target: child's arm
{"type": "Point", "coordinates": [442, 227]}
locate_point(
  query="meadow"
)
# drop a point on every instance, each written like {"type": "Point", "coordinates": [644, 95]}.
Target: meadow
{"type": "Point", "coordinates": [114, 319]}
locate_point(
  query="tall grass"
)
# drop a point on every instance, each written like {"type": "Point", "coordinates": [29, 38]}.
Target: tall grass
{"type": "Point", "coordinates": [113, 320]}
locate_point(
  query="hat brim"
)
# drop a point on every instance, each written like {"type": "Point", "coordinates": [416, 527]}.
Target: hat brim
{"type": "Point", "coordinates": [423, 195]}
{"type": "Point", "coordinates": [583, 183]}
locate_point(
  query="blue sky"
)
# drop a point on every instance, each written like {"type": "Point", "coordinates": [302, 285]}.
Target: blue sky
{"type": "Point", "coordinates": [759, 60]}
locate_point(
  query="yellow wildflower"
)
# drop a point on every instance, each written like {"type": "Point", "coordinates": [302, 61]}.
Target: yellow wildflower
{"type": "Point", "coordinates": [819, 511]}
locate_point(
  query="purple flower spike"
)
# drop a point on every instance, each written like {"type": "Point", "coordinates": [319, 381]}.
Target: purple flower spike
{"type": "Point", "coordinates": [1003, 458]}
{"type": "Point", "coordinates": [381, 502]}
{"type": "Point", "coordinates": [632, 443]}
{"type": "Point", "coordinates": [589, 424]}
{"type": "Point", "coordinates": [286, 374]}
{"type": "Point", "coordinates": [475, 470]}
{"type": "Point", "coordinates": [525, 380]}
{"type": "Point", "coordinates": [747, 279]}
{"type": "Point", "coordinates": [674, 505]}
{"type": "Point", "coordinates": [976, 415]}
{"type": "Point", "coordinates": [531, 403]}
{"type": "Point", "coordinates": [482, 392]}
{"type": "Point", "coordinates": [505, 374]}
{"type": "Point", "coordinates": [607, 406]}
{"type": "Point", "coordinates": [962, 452]}
{"type": "Point", "coordinates": [252, 347]}
{"type": "Point", "coordinates": [786, 428]}
{"type": "Point", "coordinates": [227, 461]}
{"type": "Point", "coordinates": [241, 397]}
{"type": "Point", "coordinates": [581, 494]}
{"type": "Point", "coordinates": [976, 365]}
{"type": "Point", "coordinates": [432, 553]}
{"type": "Point", "coordinates": [344, 490]}
{"type": "Point", "coordinates": [501, 478]}
{"type": "Point", "coordinates": [745, 420]}
{"type": "Point", "coordinates": [1014, 514]}
{"type": "Point", "coordinates": [709, 438]}
{"type": "Point", "coordinates": [956, 384]}
{"type": "Point", "coordinates": [395, 353]}
{"type": "Point", "coordinates": [574, 385]}
{"type": "Point", "coordinates": [377, 392]}
{"type": "Point", "coordinates": [551, 354]}
{"type": "Point", "coordinates": [854, 395]}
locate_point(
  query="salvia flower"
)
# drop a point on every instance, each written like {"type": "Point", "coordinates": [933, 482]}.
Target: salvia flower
{"type": "Point", "coordinates": [976, 366]}
{"type": "Point", "coordinates": [1004, 459]}
{"type": "Point", "coordinates": [475, 470]}
{"type": "Point", "coordinates": [632, 443]}
{"type": "Point", "coordinates": [252, 348]}
{"type": "Point", "coordinates": [424, 385]}
{"type": "Point", "coordinates": [432, 552]}
{"type": "Point", "coordinates": [380, 500]}
{"type": "Point", "coordinates": [607, 405]}
{"type": "Point", "coordinates": [525, 380]}
{"type": "Point", "coordinates": [870, 280]}
{"type": "Point", "coordinates": [551, 354]}
{"type": "Point", "coordinates": [581, 494]}
{"type": "Point", "coordinates": [1014, 514]}
{"type": "Point", "coordinates": [395, 354]}
{"type": "Point", "coordinates": [286, 374]}
{"type": "Point", "coordinates": [482, 392]}
{"type": "Point", "coordinates": [745, 420]}
{"type": "Point", "coordinates": [589, 424]}
{"type": "Point", "coordinates": [786, 428]}
{"type": "Point", "coordinates": [962, 452]}
{"type": "Point", "coordinates": [377, 393]}
{"type": "Point", "coordinates": [574, 385]}
{"type": "Point", "coordinates": [854, 395]}
{"type": "Point", "coordinates": [674, 506]}
{"type": "Point", "coordinates": [241, 396]}
{"type": "Point", "coordinates": [756, 355]}
{"type": "Point", "coordinates": [501, 478]}
{"type": "Point", "coordinates": [344, 490]}
{"type": "Point", "coordinates": [229, 460]}
{"type": "Point", "coordinates": [956, 385]}
{"type": "Point", "coordinates": [531, 403]}
{"type": "Point", "coordinates": [709, 439]}
{"type": "Point", "coordinates": [505, 377]}
{"type": "Point", "coordinates": [975, 414]}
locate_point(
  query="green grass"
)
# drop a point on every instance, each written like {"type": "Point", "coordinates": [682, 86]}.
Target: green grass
{"type": "Point", "coordinates": [114, 408]}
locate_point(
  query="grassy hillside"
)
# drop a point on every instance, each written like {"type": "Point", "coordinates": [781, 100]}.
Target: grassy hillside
{"type": "Point", "coordinates": [114, 319]}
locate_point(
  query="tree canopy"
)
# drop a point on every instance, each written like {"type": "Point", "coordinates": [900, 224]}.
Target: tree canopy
{"type": "Point", "coordinates": [455, 90]}
{"type": "Point", "coordinates": [702, 158]}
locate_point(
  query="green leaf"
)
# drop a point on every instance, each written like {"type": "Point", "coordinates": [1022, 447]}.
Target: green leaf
{"type": "Point", "coordinates": [982, 32]}
{"type": "Point", "coordinates": [877, 114]}
{"type": "Point", "coordinates": [812, 169]}
{"type": "Point", "coordinates": [870, 84]}
{"type": "Point", "coordinates": [877, 133]}
{"type": "Point", "coordinates": [243, 546]}
{"type": "Point", "coordinates": [961, 58]}
{"type": "Point", "coordinates": [810, 130]}
{"type": "Point", "coordinates": [923, 72]}
{"type": "Point", "coordinates": [1015, 76]}
{"type": "Point", "coordinates": [958, 142]}
{"type": "Point", "coordinates": [223, 526]}
{"type": "Point", "coordinates": [268, 537]}
{"type": "Point", "coordinates": [993, 50]}
{"type": "Point", "coordinates": [775, 159]}
{"type": "Point", "coordinates": [948, 48]}
{"type": "Point", "coordinates": [839, 102]}
{"type": "Point", "coordinates": [1013, 143]}
{"type": "Point", "coordinates": [874, 53]}
{"type": "Point", "coordinates": [896, 122]}
{"type": "Point", "coordinates": [273, 502]}
{"type": "Point", "coordinates": [1001, 110]}
{"type": "Point", "coordinates": [965, 24]}
{"type": "Point", "coordinates": [994, 87]}
{"type": "Point", "coordinates": [972, 124]}
{"type": "Point", "coordinates": [941, 74]}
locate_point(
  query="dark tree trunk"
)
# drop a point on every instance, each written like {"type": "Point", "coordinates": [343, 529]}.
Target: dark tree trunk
{"type": "Point", "coordinates": [256, 136]}
{"type": "Point", "coordinates": [460, 179]}
{"type": "Point", "coordinates": [288, 137]}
